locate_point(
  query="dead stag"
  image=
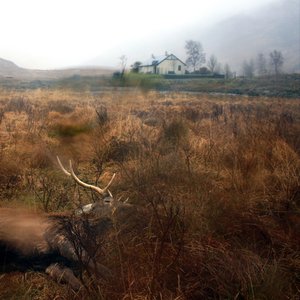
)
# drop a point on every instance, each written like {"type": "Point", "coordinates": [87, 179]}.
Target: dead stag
{"type": "Point", "coordinates": [48, 242]}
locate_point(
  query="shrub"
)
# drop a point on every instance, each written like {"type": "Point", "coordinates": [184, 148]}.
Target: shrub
{"type": "Point", "coordinates": [192, 114]}
{"type": "Point", "coordinates": [145, 82]}
{"type": "Point", "coordinates": [18, 105]}
{"type": "Point", "coordinates": [52, 193]}
{"type": "Point", "coordinates": [175, 131]}
{"type": "Point", "coordinates": [60, 106]}
{"type": "Point", "coordinates": [65, 130]}
{"type": "Point", "coordinates": [11, 175]}
{"type": "Point", "coordinates": [102, 115]}
{"type": "Point", "coordinates": [119, 150]}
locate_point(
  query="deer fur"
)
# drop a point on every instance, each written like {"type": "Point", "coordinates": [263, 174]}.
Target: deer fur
{"type": "Point", "coordinates": [44, 241]}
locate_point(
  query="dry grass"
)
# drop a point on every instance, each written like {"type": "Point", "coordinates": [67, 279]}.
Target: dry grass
{"type": "Point", "coordinates": [218, 178]}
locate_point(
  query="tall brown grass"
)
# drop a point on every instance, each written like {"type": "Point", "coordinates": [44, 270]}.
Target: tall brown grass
{"type": "Point", "coordinates": [217, 178]}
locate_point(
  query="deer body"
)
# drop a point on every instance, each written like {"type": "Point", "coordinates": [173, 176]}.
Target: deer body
{"type": "Point", "coordinates": [44, 239]}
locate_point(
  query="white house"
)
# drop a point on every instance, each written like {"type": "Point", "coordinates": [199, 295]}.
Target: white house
{"type": "Point", "coordinates": [166, 64]}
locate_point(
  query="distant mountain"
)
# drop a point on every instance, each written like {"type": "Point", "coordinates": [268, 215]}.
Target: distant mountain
{"type": "Point", "coordinates": [8, 69]}
{"type": "Point", "coordinates": [7, 65]}
{"type": "Point", "coordinates": [275, 26]}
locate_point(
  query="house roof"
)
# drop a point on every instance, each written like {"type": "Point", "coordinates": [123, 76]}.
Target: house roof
{"type": "Point", "coordinates": [157, 60]}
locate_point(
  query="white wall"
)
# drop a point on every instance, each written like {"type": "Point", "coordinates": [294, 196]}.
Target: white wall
{"type": "Point", "coordinates": [170, 65]}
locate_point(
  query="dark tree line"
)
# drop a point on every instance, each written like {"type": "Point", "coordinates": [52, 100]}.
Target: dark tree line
{"type": "Point", "coordinates": [196, 58]}
{"type": "Point", "coordinates": [263, 66]}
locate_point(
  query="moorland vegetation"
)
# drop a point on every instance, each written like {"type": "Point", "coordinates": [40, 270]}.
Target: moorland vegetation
{"type": "Point", "coordinates": [217, 174]}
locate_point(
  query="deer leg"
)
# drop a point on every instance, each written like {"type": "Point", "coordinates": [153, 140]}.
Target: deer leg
{"type": "Point", "coordinates": [66, 249]}
{"type": "Point", "coordinates": [63, 275]}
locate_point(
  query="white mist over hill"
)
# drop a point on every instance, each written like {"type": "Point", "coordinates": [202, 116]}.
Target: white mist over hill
{"type": "Point", "coordinates": [57, 34]}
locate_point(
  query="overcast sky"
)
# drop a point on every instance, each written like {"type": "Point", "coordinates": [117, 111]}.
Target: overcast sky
{"type": "Point", "coordinates": [60, 33]}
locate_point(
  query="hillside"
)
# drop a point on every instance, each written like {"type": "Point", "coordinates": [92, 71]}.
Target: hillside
{"type": "Point", "coordinates": [241, 37]}
{"type": "Point", "coordinates": [9, 69]}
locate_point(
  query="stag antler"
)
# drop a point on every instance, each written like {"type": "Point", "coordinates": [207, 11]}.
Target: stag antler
{"type": "Point", "coordinates": [100, 191]}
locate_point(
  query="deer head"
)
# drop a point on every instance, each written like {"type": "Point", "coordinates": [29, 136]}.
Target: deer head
{"type": "Point", "coordinates": [105, 193]}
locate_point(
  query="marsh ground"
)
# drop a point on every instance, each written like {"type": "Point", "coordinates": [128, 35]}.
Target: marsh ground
{"type": "Point", "coordinates": [222, 171]}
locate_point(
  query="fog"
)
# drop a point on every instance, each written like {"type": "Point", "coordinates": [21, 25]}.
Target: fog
{"type": "Point", "coordinates": [57, 34]}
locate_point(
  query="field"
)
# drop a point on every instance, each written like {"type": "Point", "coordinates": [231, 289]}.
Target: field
{"type": "Point", "coordinates": [283, 85]}
{"type": "Point", "coordinates": [217, 174]}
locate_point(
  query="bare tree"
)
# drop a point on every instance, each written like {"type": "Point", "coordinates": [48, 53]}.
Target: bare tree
{"type": "Point", "coordinates": [227, 71]}
{"type": "Point", "coordinates": [195, 54]}
{"type": "Point", "coordinates": [248, 68]}
{"type": "Point", "coordinates": [212, 64]}
{"type": "Point", "coordinates": [135, 67]}
{"type": "Point", "coordinates": [261, 64]}
{"type": "Point", "coordinates": [276, 61]}
{"type": "Point", "coordinates": [123, 62]}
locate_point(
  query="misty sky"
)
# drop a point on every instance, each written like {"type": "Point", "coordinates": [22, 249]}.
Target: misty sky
{"type": "Point", "coordinates": [61, 33]}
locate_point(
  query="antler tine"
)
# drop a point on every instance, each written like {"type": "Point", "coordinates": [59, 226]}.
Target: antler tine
{"type": "Point", "coordinates": [93, 187]}
{"type": "Point", "coordinates": [62, 167]}
{"type": "Point", "coordinates": [108, 185]}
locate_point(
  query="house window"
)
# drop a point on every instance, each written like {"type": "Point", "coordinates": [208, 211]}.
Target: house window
{"type": "Point", "coordinates": [179, 68]}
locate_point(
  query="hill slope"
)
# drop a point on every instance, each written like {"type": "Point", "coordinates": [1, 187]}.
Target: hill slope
{"type": "Point", "coordinates": [10, 69]}
{"type": "Point", "coordinates": [241, 37]}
